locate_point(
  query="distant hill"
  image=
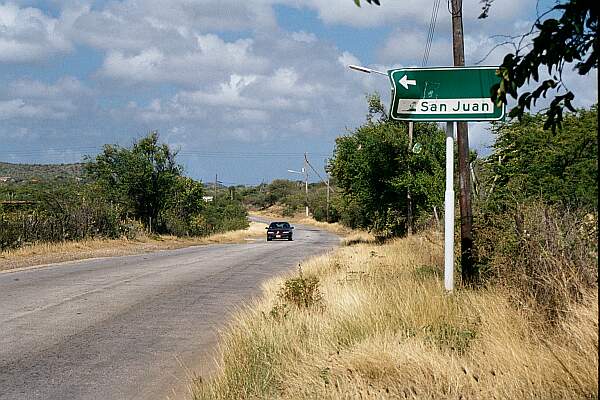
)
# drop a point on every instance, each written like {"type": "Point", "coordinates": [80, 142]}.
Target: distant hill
{"type": "Point", "coordinates": [42, 172]}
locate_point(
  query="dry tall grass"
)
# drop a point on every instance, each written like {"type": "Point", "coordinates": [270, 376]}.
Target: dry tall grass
{"type": "Point", "coordinates": [382, 327]}
{"type": "Point", "coordinates": [46, 253]}
{"type": "Point", "coordinates": [547, 256]}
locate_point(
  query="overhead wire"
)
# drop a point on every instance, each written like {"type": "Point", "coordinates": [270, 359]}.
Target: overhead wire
{"type": "Point", "coordinates": [185, 153]}
{"type": "Point", "coordinates": [319, 175]}
{"type": "Point", "coordinates": [431, 32]}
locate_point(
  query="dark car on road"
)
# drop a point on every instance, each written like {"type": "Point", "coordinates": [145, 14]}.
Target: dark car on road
{"type": "Point", "coordinates": [279, 230]}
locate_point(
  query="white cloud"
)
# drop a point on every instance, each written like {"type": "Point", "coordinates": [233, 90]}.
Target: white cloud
{"type": "Point", "coordinates": [228, 94]}
{"type": "Point", "coordinates": [133, 25]}
{"type": "Point", "coordinates": [27, 34]}
{"type": "Point", "coordinates": [306, 89]}
{"type": "Point", "coordinates": [19, 108]}
{"type": "Point", "coordinates": [407, 48]}
{"type": "Point", "coordinates": [304, 37]}
{"type": "Point", "coordinates": [145, 66]}
{"type": "Point", "coordinates": [208, 58]}
{"type": "Point", "coordinates": [38, 100]}
{"type": "Point", "coordinates": [65, 87]}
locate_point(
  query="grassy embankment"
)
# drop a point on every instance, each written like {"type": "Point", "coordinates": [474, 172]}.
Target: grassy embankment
{"type": "Point", "coordinates": [373, 321]}
{"type": "Point", "coordinates": [46, 253]}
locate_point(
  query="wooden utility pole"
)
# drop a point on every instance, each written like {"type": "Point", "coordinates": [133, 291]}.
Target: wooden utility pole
{"type": "Point", "coordinates": [327, 198]}
{"type": "Point", "coordinates": [215, 198]}
{"type": "Point", "coordinates": [466, 215]}
{"type": "Point", "coordinates": [408, 198]}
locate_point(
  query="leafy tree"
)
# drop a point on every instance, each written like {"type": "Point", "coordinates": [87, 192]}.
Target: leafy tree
{"type": "Point", "coordinates": [279, 189]}
{"type": "Point", "coordinates": [375, 170]}
{"type": "Point", "coordinates": [558, 42]}
{"type": "Point", "coordinates": [139, 180]}
{"type": "Point", "coordinates": [529, 162]}
{"type": "Point", "coordinates": [184, 203]}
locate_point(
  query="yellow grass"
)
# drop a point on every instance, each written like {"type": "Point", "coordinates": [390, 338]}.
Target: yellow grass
{"type": "Point", "coordinates": [46, 253]}
{"type": "Point", "coordinates": [386, 329]}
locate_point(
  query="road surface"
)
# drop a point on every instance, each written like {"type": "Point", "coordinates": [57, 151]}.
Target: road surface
{"type": "Point", "coordinates": [131, 327]}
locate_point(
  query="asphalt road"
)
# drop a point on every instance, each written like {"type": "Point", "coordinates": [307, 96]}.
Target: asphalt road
{"type": "Point", "coordinates": [131, 327]}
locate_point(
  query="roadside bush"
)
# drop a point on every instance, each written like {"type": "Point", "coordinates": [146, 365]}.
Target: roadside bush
{"type": "Point", "coordinates": [546, 256]}
{"type": "Point", "coordinates": [302, 291]}
{"type": "Point", "coordinates": [63, 214]}
{"type": "Point", "coordinates": [131, 229]}
{"type": "Point", "coordinates": [219, 216]}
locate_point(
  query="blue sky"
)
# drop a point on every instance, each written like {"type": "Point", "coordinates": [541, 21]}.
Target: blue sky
{"type": "Point", "coordinates": [241, 88]}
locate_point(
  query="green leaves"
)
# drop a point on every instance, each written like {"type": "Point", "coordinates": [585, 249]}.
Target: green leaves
{"type": "Point", "coordinates": [357, 2]}
{"type": "Point", "coordinates": [530, 162]}
{"type": "Point", "coordinates": [561, 41]}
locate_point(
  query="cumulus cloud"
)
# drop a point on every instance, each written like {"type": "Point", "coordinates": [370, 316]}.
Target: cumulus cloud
{"type": "Point", "coordinates": [208, 58]}
{"type": "Point", "coordinates": [67, 86]}
{"type": "Point", "coordinates": [134, 26]}
{"type": "Point", "coordinates": [19, 108]}
{"type": "Point", "coordinates": [38, 100]}
{"type": "Point", "coordinates": [27, 34]}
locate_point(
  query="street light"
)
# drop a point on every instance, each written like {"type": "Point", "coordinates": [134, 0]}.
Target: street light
{"type": "Point", "coordinates": [305, 183]}
{"type": "Point", "coordinates": [366, 70]}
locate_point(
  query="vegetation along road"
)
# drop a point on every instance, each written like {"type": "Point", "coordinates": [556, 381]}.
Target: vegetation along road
{"type": "Point", "coordinates": [131, 327]}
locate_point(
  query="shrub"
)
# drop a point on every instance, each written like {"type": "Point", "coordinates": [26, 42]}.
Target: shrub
{"type": "Point", "coordinates": [65, 214]}
{"type": "Point", "coordinates": [219, 216]}
{"type": "Point", "coordinates": [545, 255]}
{"type": "Point", "coordinates": [301, 291]}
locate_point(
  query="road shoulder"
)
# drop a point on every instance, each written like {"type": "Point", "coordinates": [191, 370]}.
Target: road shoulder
{"type": "Point", "coordinates": [43, 254]}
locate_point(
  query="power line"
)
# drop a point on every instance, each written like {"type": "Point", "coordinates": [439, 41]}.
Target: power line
{"type": "Point", "coordinates": [319, 175]}
{"type": "Point", "coordinates": [431, 31]}
{"type": "Point", "coordinates": [185, 153]}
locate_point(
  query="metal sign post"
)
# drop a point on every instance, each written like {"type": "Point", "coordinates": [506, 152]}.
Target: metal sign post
{"type": "Point", "coordinates": [449, 210]}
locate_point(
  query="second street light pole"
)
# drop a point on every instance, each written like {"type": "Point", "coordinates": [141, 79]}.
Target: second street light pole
{"type": "Point", "coordinates": [305, 169]}
{"type": "Point", "coordinates": [464, 178]}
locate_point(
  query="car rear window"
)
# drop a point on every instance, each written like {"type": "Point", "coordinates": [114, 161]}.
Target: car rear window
{"type": "Point", "coordinates": [279, 225]}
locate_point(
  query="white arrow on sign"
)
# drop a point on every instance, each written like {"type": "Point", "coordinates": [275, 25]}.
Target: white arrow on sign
{"type": "Point", "coordinates": [404, 81]}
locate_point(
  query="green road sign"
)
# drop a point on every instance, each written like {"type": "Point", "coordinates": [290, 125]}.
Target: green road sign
{"type": "Point", "coordinates": [444, 94]}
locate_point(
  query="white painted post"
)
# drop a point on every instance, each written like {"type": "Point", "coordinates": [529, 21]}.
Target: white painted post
{"type": "Point", "coordinates": [305, 170]}
{"type": "Point", "coordinates": [449, 210]}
